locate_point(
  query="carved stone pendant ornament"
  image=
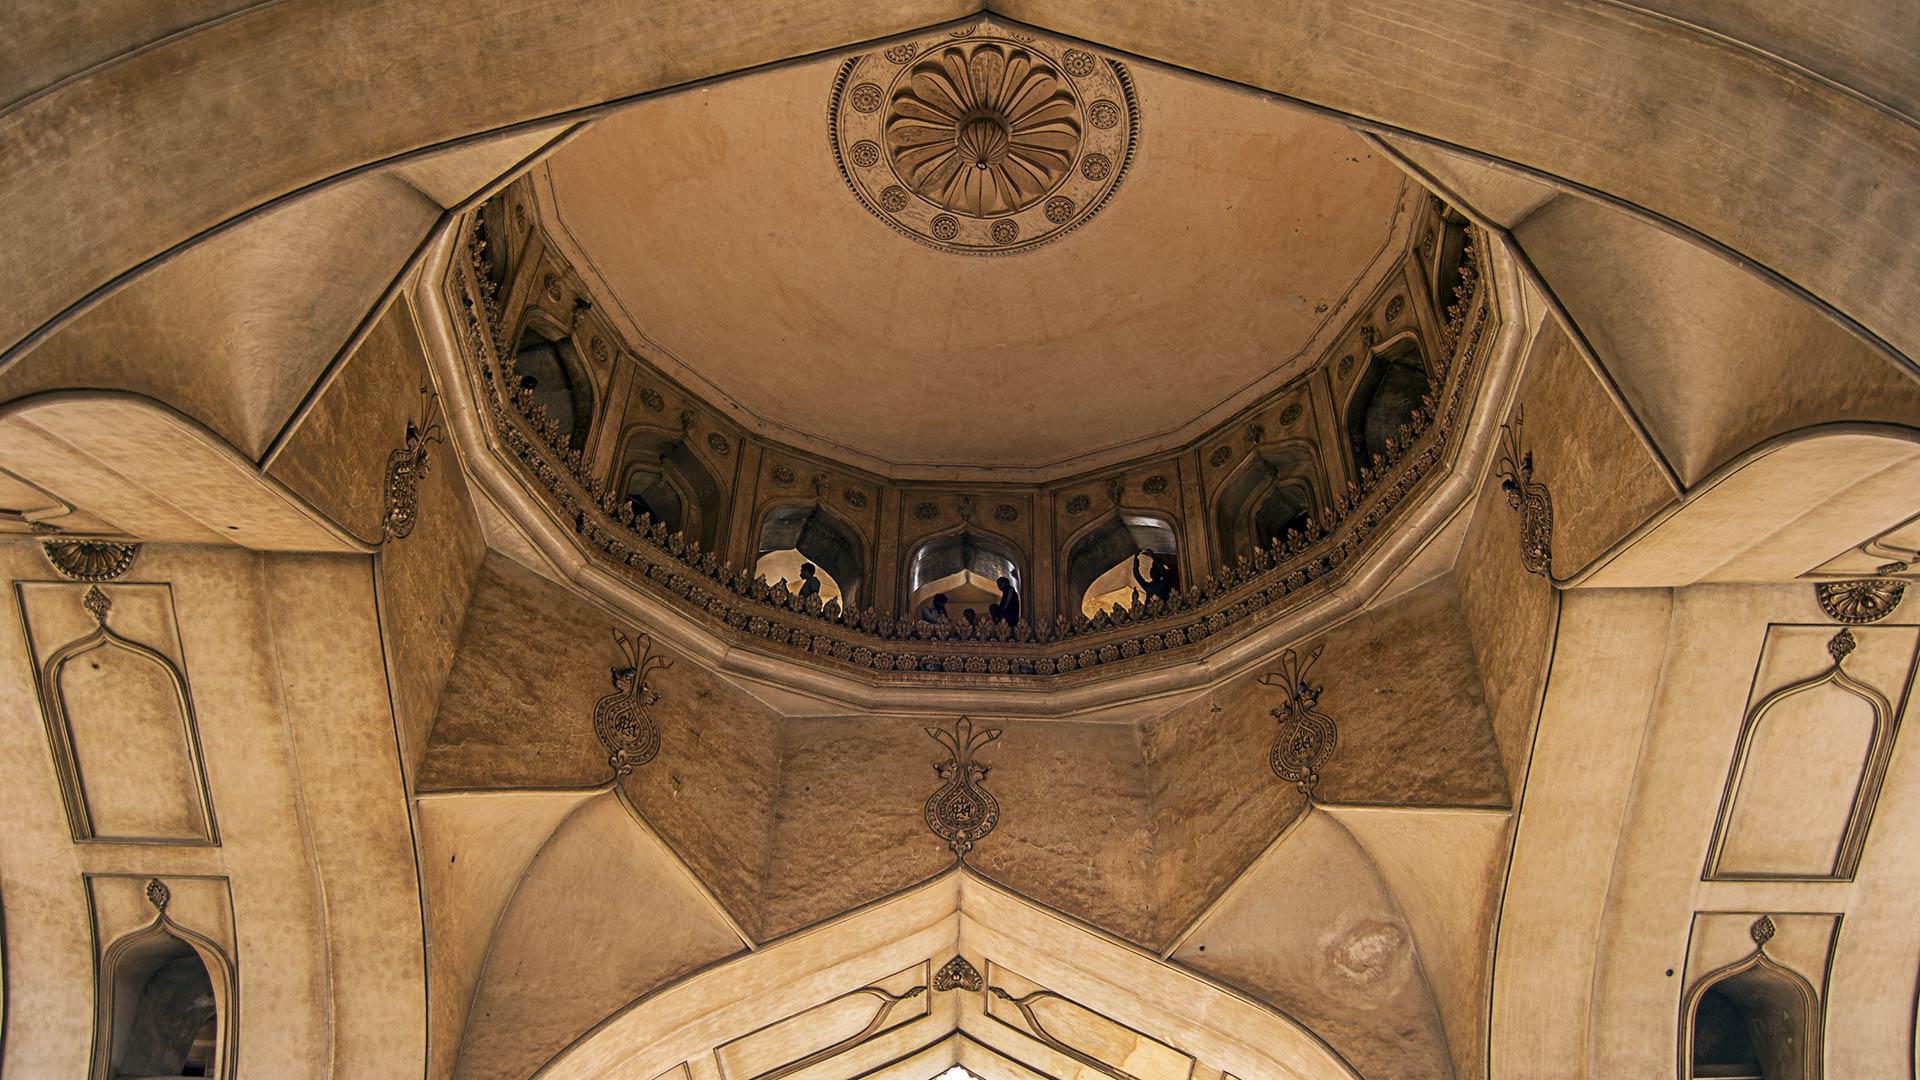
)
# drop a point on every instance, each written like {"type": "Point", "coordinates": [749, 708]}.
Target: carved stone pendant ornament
{"type": "Point", "coordinates": [89, 560]}
{"type": "Point", "coordinates": [1307, 736]}
{"type": "Point", "coordinates": [623, 720]}
{"type": "Point", "coordinates": [984, 139]}
{"type": "Point", "coordinates": [1529, 497]}
{"type": "Point", "coordinates": [960, 811]}
{"type": "Point", "coordinates": [957, 974]}
{"type": "Point", "coordinates": [1861, 601]}
{"type": "Point", "coordinates": [405, 468]}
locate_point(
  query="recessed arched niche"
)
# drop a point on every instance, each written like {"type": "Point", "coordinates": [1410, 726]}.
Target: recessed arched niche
{"type": "Point", "coordinates": [1755, 1020]}
{"type": "Point", "coordinates": [1384, 398]}
{"type": "Point", "coordinates": [965, 566]}
{"type": "Point", "coordinates": [164, 1007]}
{"type": "Point", "coordinates": [661, 477]}
{"type": "Point", "coordinates": [1807, 769]}
{"type": "Point", "coordinates": [120, 719]}
{"type": "Point", "coordinates": [808, 532]}
{"type": "Point", "coordinates": [1277, 489]}
{"type": "Point", "coordinates": [1103, 559]}
{"type": "Point", "coordinates": [548, 367]}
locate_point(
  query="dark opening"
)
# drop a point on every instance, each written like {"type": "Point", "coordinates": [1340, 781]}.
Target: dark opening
{"type": "Point", "coordinates": [548, 367]}
{"type": "Point", "coordinates": [822, 539]}
{"type": "Point", "coordinates": [1385, 398]}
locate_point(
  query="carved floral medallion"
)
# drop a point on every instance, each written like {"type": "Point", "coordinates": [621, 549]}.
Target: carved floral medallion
{"type": "Point", "coordinates": [1306, 736]}
{"type": "Point", "coordinates": [985, 143]}
{"type": "Point", "coordinates": [623, 720]}
{"type": "Point", "coordinates": [961, 811]}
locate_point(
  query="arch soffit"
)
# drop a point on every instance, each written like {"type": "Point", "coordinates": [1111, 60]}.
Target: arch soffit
{"type": "Point", "coordinates": [1857, 127]}
{"type": "Point", "coordinates": [957, 912]}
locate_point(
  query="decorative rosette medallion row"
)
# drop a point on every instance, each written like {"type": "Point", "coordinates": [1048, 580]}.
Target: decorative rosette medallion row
{"type": "Point", "coordinates": [985, 139]}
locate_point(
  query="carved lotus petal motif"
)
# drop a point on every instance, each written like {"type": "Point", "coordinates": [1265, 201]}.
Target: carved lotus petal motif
{"type": "Point", "coordinates": [983, 128]}
{"type": "Point", "coordinates": [975, 131]}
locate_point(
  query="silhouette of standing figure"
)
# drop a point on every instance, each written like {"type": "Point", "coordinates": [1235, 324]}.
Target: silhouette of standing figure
{"type": "Point", "coordinates": [1159, 580]}
{"type": "Point", "coordinates": [1009, 602]}
{"type": "Point", "coordinates": [809, 581]}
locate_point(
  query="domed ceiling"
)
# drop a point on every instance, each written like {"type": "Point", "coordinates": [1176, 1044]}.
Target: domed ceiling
{"type": "Point", "coordinates": [984, 248]}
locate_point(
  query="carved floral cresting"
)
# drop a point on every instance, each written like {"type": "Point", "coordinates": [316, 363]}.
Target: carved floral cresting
{"type": "Point", "coordinates": [1528, 496]}
{"type": "Point", "coordinates": [406, 467]}
{"type": "Point", "coordinates": [89, 560]}
{"type": "Point", "coordinates": [993, 141]}
{"type": "Point", "coordinates": [676, 570]}
{"type": "Point", "coordinates": [1307, 736]}
{"type": "Point", "coordinates": [1860, 601]}
{"type": "Point", "coordinates": [961, 811]}
{"type": "Point", "coordinates": [623, 720]}
{"type": "Point", "coordinates": [957, 974]}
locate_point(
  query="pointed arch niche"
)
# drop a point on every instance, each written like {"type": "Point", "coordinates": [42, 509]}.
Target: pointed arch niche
{"type": "Point", "coordinates": [1806, 773]}
{"type": "Point", "coordinates": [966, 565]}
{"type": "Point", "coordinates": [1279, 487]}
{"type": "Point", "coordinates": [164, 999]}
{"type": "Point", "coordinates": [1755, 1019]}
{"type": "Point", "coordinates": [118, 713]}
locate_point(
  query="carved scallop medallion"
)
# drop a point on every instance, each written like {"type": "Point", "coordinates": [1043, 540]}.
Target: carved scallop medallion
{"type": "Point", "coordinates": [983, 143]}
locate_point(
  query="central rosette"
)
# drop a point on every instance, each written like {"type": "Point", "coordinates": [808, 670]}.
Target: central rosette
{"type": "Point", "coordinates": [983, 129]}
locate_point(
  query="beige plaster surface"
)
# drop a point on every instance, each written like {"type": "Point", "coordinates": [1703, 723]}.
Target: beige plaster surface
{"type": "Point", "coordinates": [517, 712]}
{"type": "Point", "coordinates": [847, 827]}
{"type": "Point", "coordinates": [333, 688]}
{"type": "Point", "coordinates": [723, 230]}
{"type": "Point", "coordinates": [1509, 615]}
{"type": "Point", "coordinates": [1552, 922]}
{"type": "Point", "coordinates": [219, 335]}
{"type": "Point", "coordinates": [291, 704]}
{"type": "Point", "coordinates": [1728, 648]}
{"type": "Point", "coordinates": [500, 834]}
{"type": "Point", "coordinates": [603, 914]}
{"type": "Point", "coordinates": [149, 472]}
{"type": "Point", "coordinates": [1602, 479]}
{"type": "Point", "coordinates": [1712, 359]}
{"type": "Point", "coordinates": [1316, 932]}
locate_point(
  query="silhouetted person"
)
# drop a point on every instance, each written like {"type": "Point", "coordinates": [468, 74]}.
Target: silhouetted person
{"type": "Point", "coordinates": [973, 617]}
{"type": "Point", "coordinates": [809, 581]}
{"type": "Point", "coordinates": [1009, 602]}
{"type": "Point", "coordinates": [938, 612]}
{"type": "Point", "coordinates": [1159, 580]}
{"type": "Point", "coordinates": [993, 613]}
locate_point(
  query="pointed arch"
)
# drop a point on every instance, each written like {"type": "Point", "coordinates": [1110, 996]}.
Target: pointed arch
{"type": "Point", "coordinates": [1109, 545]}
{"type": "Point", "coordinates": [195, 812]}
{"type": "Point", "coordinates": [666, 479]}
{"type": "Point", "coordinates": [823, 537]}
{"type": "Point", "coordinates": [965, 557]}
{"type": "Point", "coordinates": [1278, 487]}
{"type": "Point", "coordinates": [1384, 397]}
{"type": "Point", "coordinates": [1739, 793]}
{"type": "Point", "coordinates": [149, 1016]}
{"type": "Point", "coordinates": [1762, 1021]}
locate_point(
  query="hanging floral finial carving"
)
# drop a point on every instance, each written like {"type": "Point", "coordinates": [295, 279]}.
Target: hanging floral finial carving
{"type": "Point", "coordinates": [1307, 736]}
{"type": "Point", "coordinates": [1528, 496]}
{"type": "Point", "coordinates": [960, 811]}
{"type": "Point", "coordinates": [406, 467]}
{"type": "Point", "coordinates": [623, 720]}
